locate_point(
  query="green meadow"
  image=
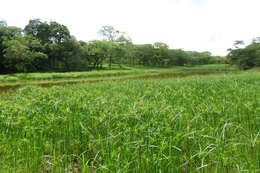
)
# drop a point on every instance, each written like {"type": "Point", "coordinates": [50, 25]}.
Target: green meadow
{"type": "Point", "coordinates": [116, 73]}
{"type": "Point", "coordinates": [192, 124]}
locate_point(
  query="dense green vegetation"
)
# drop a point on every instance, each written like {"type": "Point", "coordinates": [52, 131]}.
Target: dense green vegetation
{"type": "Point", "coordinates": [49, 46]}
{"type": "Point", "coordinates": [247, 57]}
{"type": "Point", "coordinates": [192, 124]}
{"type": "Point", "coordinates": [115, 73]}
{"type": "Point", "coordinates": [198, 124]}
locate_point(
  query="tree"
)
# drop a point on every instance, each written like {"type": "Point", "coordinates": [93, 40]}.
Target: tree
{"type": "Point", "coordinates": [56, 40]}
{"type": "Point", "coordinates": [33, 28]}
{"type": "Point", "coordinates": [256, 40]}
{"type": "Point", "coordinates": [109, 33]}
{"type": "Point", "coordinates": [247, 57]}
{"type": "Point", "coordinates": [238, 43]}
{"type": "Point", "coordinates": [3, 23]}
{"type": "Point", "coordinates": [97, 51]}
{"type": "Point", "coordinates": [178, 57]}
{"type": "Point", "coordinates": [48, 46]}
{"type": "Point", "coordinates": [144, 53]}
{"type": "Point", "coordinates": [126, 50]}
{"type": "Point", "coordinates": [83, 56]}
{"type": "Point", "coordinates": [19, 57]}
{"type": "Point", "coordinates": [52, 32]}
{"type": "Point", "coordinates": [7, 33]}
{"type": "Point", "coordinates": [58, 33]}
{"type": "Point", "coordinates": [161, 54]}
{"type": "Point", "coordinates": [70, 50]}
{"type": "Point", "coordinates": [116, 40]}
{"type": "Point", "coordinates": [123, 39]}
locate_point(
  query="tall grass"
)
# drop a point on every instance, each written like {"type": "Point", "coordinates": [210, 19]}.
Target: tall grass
{"type": "Point", "coordinates": [199, 124]}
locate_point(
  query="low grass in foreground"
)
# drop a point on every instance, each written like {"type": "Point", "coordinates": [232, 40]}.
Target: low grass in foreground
{"type": "Point", "coordinates": [193, 124]}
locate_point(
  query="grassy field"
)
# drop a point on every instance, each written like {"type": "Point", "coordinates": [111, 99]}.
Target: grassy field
{"type": "Point", "coordinates": [193, 124]}
{"type": "Point", "coordinates": [114, 74]}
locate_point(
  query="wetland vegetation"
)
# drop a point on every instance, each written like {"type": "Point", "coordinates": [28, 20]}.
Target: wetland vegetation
{"type": "Point", "coordinates": [192, 124]}
{"type": "Point", "coordinates": [111, 105]}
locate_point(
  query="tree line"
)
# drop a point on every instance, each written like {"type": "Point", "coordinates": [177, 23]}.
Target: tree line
{"type": "Point", "coordinates": [245, 57]}
{"type": "Point", "coordinates": [48, 46]}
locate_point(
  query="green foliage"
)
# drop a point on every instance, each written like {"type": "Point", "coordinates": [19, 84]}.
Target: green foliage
{"type": "Point", "coordinates": [198, 124]}
{"type": "Point", "coordinates": [7, 33]}
{"type": "Point", "coordinates": [52, 32]}
{"type": "Point", "coordinates": [19, 56]}
{"type": "Point", "coordinates": [97, 50]}
{"type": "Point", "coordinates": [48, 46]}
{"type": "Point", "coordinates": [247, 57]}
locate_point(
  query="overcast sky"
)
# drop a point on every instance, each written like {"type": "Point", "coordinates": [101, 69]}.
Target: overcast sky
{"type": "Point", "coordinates": [202, 25]}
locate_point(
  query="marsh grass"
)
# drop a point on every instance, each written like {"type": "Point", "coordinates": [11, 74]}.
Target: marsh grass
{"type": "Point", "coordinates": [31, 77]}
{"type": "Point", "coordinates": [193, 124]}
{"type": "Point", "coordinates": [13, 81]}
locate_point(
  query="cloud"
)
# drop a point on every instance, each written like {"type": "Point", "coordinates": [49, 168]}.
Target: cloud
{"type": "Point", "coordinates": [203, 25]}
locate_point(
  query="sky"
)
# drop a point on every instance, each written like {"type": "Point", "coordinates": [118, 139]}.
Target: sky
{"type": "Point", "coordinates": [201, 25]}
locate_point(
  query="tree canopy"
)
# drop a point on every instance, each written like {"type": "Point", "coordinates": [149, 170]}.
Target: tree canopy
{"type": "Point", "coordinates": [48, 46]}
{"type": "Point", "coordinates": [246, 57]}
